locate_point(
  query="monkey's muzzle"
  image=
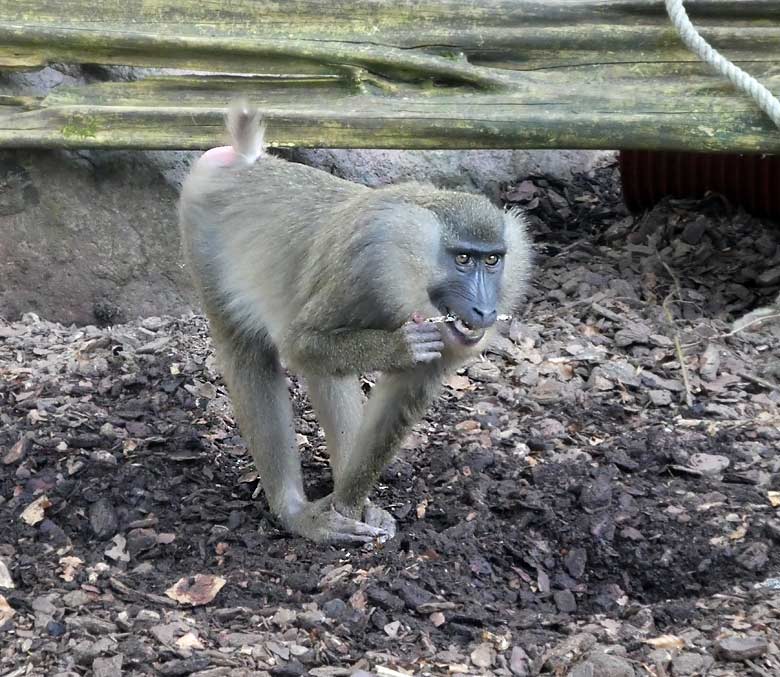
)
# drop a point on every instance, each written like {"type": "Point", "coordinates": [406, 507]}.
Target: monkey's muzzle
{"type": "Point", "coordinates": [464, 334]}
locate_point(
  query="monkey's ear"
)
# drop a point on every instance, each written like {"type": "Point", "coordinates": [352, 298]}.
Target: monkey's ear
{"type": "Point", "coordinates": [515, 218]}
{"type": "Point", "coordinates": [519, 249]}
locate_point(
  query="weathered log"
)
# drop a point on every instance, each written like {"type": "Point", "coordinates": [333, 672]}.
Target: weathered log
{"type": "Point", "coordinates": [389, 74]}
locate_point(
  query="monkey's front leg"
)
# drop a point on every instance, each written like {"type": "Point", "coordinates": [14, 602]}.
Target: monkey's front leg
{"type": "Point", "coordinates": [262, 405]}
{"type": "Point", "coordinates": [338, 402]}
{"type": "Point", "coordinates": [398, 401]}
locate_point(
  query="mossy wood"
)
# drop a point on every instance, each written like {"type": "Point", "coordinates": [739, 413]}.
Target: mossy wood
{"type": "Point", "coordinates": [394, 73]}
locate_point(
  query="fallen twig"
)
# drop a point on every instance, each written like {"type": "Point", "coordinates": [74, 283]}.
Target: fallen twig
{"type": "Point", "coordinates": [759, 381]}
{"type": "Point", "coordinates": [137, 595]}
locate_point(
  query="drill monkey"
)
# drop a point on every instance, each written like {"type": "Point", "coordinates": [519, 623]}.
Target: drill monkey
{"type": "Point", "coordinates": [335, 288]}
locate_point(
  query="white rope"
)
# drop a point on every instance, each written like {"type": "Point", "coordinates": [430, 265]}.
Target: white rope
{"type": "Point", "coordinates": [699, 46]}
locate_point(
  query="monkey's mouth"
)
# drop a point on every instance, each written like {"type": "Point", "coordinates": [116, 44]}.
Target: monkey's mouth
{"type": "Point", "coordinates": [465, 334]}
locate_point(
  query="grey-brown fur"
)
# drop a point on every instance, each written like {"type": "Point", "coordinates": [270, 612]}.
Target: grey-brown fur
{"type": "Point", "coordinates": [296, 266]}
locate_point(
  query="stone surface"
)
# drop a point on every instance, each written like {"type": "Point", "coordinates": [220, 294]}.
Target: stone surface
{"type": "Point", "coordinates": [565, 601]}
{"type": "Point", "coordinates": [483, 170]}
{"type": "Point", "coordinates": [88, 237]}
{"type": "Point", "coordinates": [107, 667]}
{"type": "Point", "coordinates": [709, 464]}
{"type": "Point", "coordinates": [599, 664]}
{"type": "Point", "coordinates": [740, 648]}
{"type": "Point", "coordinates": [688, 664]}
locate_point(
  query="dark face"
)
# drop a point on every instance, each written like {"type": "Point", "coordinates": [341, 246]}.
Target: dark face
{"type": "Point", "coordinates": [470, 289]}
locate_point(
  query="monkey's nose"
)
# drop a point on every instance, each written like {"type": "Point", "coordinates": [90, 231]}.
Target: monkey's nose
{"type": "Point", "coordinates": [485, 316]}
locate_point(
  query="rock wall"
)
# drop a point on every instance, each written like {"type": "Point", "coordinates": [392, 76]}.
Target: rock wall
{"type": "Point", "coordinates": [88, 237]}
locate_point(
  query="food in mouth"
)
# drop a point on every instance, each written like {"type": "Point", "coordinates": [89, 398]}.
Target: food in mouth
{"type": "Point", "coordinates": [464, 333]}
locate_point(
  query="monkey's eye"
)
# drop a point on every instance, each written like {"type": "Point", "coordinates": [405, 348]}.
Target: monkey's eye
{"type": "Point", "coordinates": [463, 259]}
{"type": "Point", "coordinates": [492, 260]}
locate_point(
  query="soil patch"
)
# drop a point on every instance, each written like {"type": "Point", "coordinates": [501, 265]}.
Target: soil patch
{"type": "Point", "coordinates": [597, 496]}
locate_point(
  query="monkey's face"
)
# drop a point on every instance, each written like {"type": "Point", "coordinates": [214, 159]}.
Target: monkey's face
{"type": "Point", "coordinates": [470, 289]}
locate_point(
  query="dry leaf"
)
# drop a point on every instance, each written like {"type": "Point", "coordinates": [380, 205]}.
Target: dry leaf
{"type": "Point", "coordinates": [5, 577]}
{"type": "Point", "coordinates": [739, 533]}
{"type": "Point", "coordinates": [118, 552]}
{"type": "Point", "coordinates": [335, 575]}
{"type": "Point", "coordinates": [467, 426]}
{"type": "Point", "coordinates": [6, 612]}
{"type": "Point", "coordinates": [422, 507]}
{"type": "Point", "coordinates": [500, 642]}
{"type": "Point", "coordinates": [70, 567]}
{"type": "Point", "coordinates": [34, 512]}
{"type": "Point", "coordinates": [483, 656]}
{"type": "Point", "coordinates": [196, 590]}
{"type": "Point", "coordinates": [248, 477]}
{"type": "Point", "coordinates": [666, 642]}
{"type": "Point", "coordinates": [17, 452]}
{"type": "Point", "coordinates": [358, 600]}
{"type": "Point", "coordinates": [774, 498]}
{"type": "Point", "coordinates": [391, 629]}
{"type": "Point", "coordinates": [414, 440]}
{"type": "Point", "coordinates": [383, 671]}
{"type": "Point", "coordinates": [188, 642]}
{"type": "Point", "coordinates": [458, 382]}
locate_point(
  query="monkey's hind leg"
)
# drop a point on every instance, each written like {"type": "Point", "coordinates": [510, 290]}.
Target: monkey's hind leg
{"type": "Point", "coordinates": [258, 389]}
{"type": "Point", "coordinates": [338, 403]}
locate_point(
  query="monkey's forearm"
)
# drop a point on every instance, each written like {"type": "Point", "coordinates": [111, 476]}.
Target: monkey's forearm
{"type": "Point", "coordinates": [349, 352]}
{"type": "Point", "coordinates": [397, 402]}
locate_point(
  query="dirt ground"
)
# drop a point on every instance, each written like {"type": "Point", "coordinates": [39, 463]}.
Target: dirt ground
{"type": "Point", "coordinates": [579, 502]}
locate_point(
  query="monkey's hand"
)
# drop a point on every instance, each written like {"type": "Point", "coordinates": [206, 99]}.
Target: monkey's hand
{"type": "Point", "coordinates": [421, 341]}
{"type": "Point", "coordinates": [321, 522]}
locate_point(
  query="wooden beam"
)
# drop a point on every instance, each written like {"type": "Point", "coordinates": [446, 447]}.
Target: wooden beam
{"type": "Point", "coordinates": [395, 74]}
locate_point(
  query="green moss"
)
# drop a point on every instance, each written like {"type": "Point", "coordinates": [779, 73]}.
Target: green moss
{"type": "Point", "coordinates": [81, 127]}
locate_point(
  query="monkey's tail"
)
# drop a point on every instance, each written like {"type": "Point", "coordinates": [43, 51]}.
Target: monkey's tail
{"type": "Point", "coordinates": [246, 129]}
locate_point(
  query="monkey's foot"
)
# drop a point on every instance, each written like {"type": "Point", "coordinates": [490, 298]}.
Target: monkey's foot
{"type": "Point", "coordinates": [377, 517]}
{"type": "Point", "coordinates": [321, 522]}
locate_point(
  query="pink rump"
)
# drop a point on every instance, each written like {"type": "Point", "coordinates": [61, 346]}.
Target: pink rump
{"type": "Point", "coordinates": [223, 156]}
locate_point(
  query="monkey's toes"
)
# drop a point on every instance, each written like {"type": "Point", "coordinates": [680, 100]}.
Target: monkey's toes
{"type": "Point", "coordinates": [342, 529]}
{"type": "Point", "coordinates": [381, 519]}
{"type": "Point", "coordinates": [320, 521]}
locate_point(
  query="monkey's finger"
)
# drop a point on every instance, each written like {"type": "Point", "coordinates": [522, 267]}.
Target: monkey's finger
{"type": "Point", "coordinates": [424, 327]}
{"type": "Point", "coordinates": [429, 346]}
{"type": "Point", "coordinates": [422, 331]}
{"type": "Point", "coordinates": [428, 357]}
